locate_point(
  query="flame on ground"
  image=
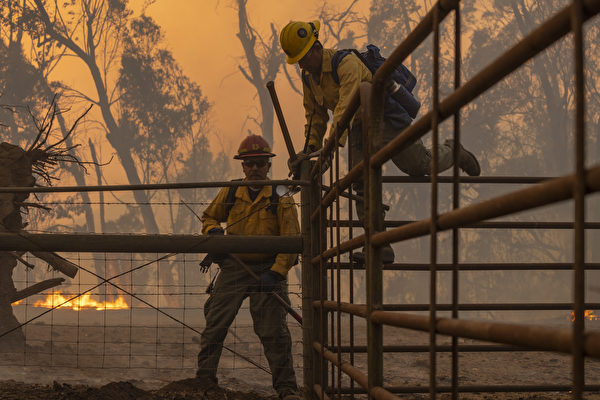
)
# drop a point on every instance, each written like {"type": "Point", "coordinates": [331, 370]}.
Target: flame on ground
{"type": "Point", "coordinates": [83, 302]}
{"type": "Point", "coordinates": [590, 315]}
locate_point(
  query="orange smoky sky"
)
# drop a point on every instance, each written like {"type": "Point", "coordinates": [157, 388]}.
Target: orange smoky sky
{"type": "Point", "coordinates": [202, 37]}
{"type": "Point", "coordinates": [201, 34]}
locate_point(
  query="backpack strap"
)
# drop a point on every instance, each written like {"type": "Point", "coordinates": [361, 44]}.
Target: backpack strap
{"type": "Point", "coordinates": [230, 200]}
{"type": "Point", "coordinates": [305, 78]}
{"type": "Point", "coordinates": [337, 59]}
{"type": "Point", "coordinates": [273, 201]}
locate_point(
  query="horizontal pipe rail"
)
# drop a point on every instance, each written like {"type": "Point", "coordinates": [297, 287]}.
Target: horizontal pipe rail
{"type": "Point", "coordinates": [544, 193]}
{"type": "Point", "coordinates": [354, 373]}
{"type": "Point", "coordinates": [417, 267]}
{"type": "Point", "coordinates": [477, 225]}
{"type": "Point", "coordinates": [476, 389]}
{"type": "Point", "coordinates": [551, 339]}
{"type": "Point", "coordinates": [344, 247]}
{"type": "Point", "coordinates": [541, 194]}
{"type": "Point", "coordinates": [360, 309]}
{"type": "Point", "coordinates": [466, 179]}
{"type": "Point", "coordinates": [346, 195]}
{"type": "Point", "coordinates": [131, 243]}
{"type": "Point", "coordinates": [418, 35]}
{"type": "Point", "coordinates": [150, 186]}
{"type": "Point", "coordinates": [537, 41]}
{"type": "Point", "coordinates": [481, 348]}
{"type": "Point", "coordinates": [491, 307]}
{"type": "Point", "coordinates": [532, 44]}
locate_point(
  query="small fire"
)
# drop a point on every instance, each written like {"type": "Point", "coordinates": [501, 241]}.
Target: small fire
{"type": "Point", "coordinates": [588, 314]}
{"type": "Point", "coordinates": [82, 302]}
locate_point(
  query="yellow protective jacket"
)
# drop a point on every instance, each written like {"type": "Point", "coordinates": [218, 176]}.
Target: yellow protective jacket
{"type": "Point", "coordinates": [325, 94]}
{"type": "Point", "coordinates": [244, 219]}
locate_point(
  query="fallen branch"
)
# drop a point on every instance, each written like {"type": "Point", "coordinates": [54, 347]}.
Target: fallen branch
{"type": "Point", "coordinates": [57, 262]}
{"type": "Point", "coordinates": [37, 288]}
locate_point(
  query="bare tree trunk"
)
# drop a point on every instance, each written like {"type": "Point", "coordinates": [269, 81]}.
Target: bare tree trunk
{"type": "Point", "coordinates": [556, 104]}
{"type": "Point", "coordinates": [75, 170]}
{"type": "Point", "coordinates": [15, 340]}
{"type": "Point", "coordinates": [115, 134]}
{"type": "Point", "coordinates": [261, 69]}
{"type": "Point", "coordinates": [99, 182]}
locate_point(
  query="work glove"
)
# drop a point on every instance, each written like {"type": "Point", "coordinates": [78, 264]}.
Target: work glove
{"type": "Point", "coordinates": [294, 165]}
{"type": "Point", "coordinates": [269, 280]}
{"type": "Point", "coordinates": [217, 258]}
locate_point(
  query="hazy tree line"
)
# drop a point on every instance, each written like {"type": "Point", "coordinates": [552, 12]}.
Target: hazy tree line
{"type": "Point", "coordinates": [155, 118]}
{"type": "Point", "coordinates": [150, 120]}
{"type": "Point", "coordinates": [522, 127]}
{"type": "Point", "coordinates": [151, 115]}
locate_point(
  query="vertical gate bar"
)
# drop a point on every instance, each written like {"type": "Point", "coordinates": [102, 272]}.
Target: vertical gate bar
{"type": "Point", "coordinates": [579, 199]}
{"type": "Point", "coordinates": [365, 116]}
{"type": "Point", "coordinates": [351, 275]}
{"type": "Point", "coordinates": [324, 366]}
{"type": "Point", "coordinates": [373, 223]}
{"type": "Point", "coordinates": [331, 282]}
{"type": "Point", "coordinates": [131, 285]}
{"type": "Point", "coordinates": [434, 205]}
{"type": "Point", "coordinates": [338, 263]}
{"type": "Point", "coordinates": [455, 199]}
{"type": "Point", "coordinates": [310, 236]}
{"type": "Point", "coordinates": [183, 352]}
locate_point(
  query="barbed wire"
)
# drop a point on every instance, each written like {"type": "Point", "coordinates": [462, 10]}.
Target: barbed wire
{"type": "Point", "coordinates": [123, 203]}
{"type": "Point", "coordinates": [134, 295]}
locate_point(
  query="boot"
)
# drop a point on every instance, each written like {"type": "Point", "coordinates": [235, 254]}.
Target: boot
{"type": "Point", "coordinates": [290, 394]}
{"type": "Point", "coordinates": [466, 160]}
{"type": "Point", "coordinates": [387, 255]}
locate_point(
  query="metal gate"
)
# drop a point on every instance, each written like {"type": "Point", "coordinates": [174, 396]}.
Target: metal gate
{"type": "Point", "coordinates": [329, 348]}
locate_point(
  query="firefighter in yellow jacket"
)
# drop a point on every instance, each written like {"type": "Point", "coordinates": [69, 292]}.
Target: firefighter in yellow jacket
{"type": "Point", "coordinates": [249, 210]}
{"type": "Point", "coordinates": [299, 41]}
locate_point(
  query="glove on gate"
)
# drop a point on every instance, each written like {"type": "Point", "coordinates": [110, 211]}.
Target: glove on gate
{"type": "Point", "coordinates": [269, 281]}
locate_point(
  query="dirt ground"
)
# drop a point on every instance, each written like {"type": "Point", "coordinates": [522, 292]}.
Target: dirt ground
{"type": "Point", "coordinates": [124, 362]}
{"type": "Point", "coordinates": [245, 382]}
{"type": "Point", "coordinates": [194, 389]}
{"type": "Point", "coordinates": [188, 389]}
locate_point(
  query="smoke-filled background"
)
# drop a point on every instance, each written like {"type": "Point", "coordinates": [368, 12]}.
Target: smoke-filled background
{"type": "Point", "coordinates": [176, 85]}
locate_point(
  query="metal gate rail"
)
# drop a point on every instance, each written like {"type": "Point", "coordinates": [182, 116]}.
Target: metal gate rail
{"type": "Point", "coordinates": [318, 215]}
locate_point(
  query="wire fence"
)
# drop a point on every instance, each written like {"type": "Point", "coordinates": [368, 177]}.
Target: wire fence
{"type": "Point", "coordinates": [150, 318]}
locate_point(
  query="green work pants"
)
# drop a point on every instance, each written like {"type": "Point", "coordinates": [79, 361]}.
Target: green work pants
{"type": "Point", "coordinates": [415, 160]}
{"type": "Point", "coordinates": [232, 286]}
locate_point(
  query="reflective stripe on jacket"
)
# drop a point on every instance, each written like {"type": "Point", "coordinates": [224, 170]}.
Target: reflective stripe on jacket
{"type": "Point", "coordinates": [244, 219]}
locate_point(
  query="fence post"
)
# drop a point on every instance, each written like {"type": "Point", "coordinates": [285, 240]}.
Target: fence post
{"type": "Point", "coordinates": [312, 324]}
{"type": "Point", "coordinates": [372, 114]}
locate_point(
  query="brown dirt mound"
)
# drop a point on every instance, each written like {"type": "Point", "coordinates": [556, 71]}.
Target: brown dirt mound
{"type": "Point", "coordinates": [113, 391]}
{"type": "Point", "coordinates": [187, 389]}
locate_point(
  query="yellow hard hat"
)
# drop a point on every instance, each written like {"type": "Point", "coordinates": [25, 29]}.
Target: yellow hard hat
{"type": "Point", "coordinates": [297, 37]}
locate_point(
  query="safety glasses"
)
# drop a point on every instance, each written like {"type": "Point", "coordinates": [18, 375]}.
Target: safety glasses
{"type": "Point", "coordinates": [253, 163]}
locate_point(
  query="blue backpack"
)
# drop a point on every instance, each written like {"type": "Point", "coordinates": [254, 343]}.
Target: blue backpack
{"type": "Point", "coordinates": [403, 81]}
